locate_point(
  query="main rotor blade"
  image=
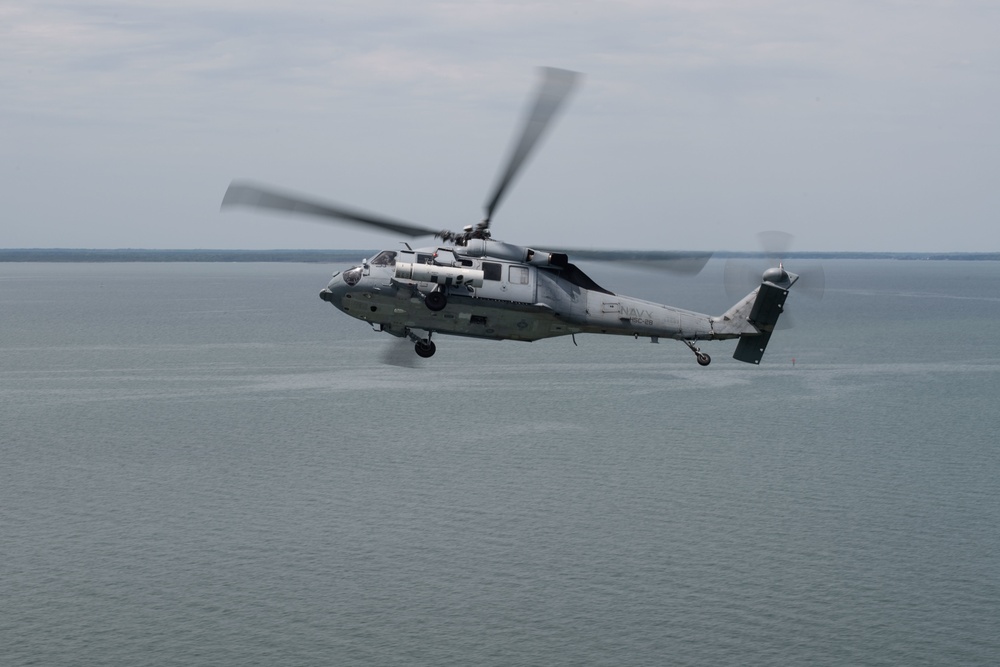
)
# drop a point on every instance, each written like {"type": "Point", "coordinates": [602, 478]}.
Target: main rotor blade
{"type": "Point", "coordinates": [679, 262]}
{"type": "Point", "coordinates": [246, 194]}
{"type": "Point", "coordinates": [555, 87]}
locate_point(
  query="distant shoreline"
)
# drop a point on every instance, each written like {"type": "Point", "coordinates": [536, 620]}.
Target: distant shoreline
{"type": "Point", "coordinates": [334, 256]}
{"type": "Point", "coordinates": [146, 255]}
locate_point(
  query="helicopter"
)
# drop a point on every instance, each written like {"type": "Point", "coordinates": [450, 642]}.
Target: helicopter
{"type": "Point", "coordinates": [470, 284]}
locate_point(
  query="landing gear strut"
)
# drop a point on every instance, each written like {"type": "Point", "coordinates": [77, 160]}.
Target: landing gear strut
{"type": "Point", "coordinates": [703, 359]}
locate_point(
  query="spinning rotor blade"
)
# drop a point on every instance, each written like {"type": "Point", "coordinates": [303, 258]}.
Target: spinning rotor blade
{"type": "Point", "coordinates": [246, 194]}
{"type": "Point", "coordinates": [678, 262]}
{"type": "Point", "coordinates": [555, 87]}
{"type": "Point", "coordinates": [775, 243]}
{"type": "Point", "coordinates": [740, 276]}
{"type": "Point", "coordinates": [812, 279]}
{"type": "Point", "coordinates": [743, 275]}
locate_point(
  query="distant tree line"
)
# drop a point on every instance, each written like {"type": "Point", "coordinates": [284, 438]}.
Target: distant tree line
{"type": "Point", "coordinates": [140, 255]}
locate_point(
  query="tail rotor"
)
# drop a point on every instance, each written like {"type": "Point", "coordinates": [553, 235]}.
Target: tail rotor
{"type": "Point", "coordinates": [742, 274]}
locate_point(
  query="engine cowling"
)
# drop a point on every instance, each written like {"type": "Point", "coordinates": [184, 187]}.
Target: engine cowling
{"type": "Point", "coordinates": [514, 253]}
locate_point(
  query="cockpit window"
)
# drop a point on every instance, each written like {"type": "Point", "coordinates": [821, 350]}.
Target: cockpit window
{"type": "Point", "coordinates": [352, 276]}
{"type": "Point", "coordinates": [384, 258]}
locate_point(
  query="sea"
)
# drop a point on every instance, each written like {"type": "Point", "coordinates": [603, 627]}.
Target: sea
{"type": "Point", "coordinates": [204, 464]}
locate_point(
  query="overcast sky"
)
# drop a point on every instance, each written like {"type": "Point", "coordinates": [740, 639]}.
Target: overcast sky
{"type": "Point", "coordinates": [861, 125]}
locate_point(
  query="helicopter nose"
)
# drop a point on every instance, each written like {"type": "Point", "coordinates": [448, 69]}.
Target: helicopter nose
{"type": "Point", "coordinates": [335, 290]}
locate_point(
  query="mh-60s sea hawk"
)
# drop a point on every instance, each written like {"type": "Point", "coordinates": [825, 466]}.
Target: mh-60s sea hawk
{"type": "Point", "coordinates": [472, 285]}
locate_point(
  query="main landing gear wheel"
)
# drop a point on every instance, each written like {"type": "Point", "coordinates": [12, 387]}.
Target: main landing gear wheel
{"type": "Point", "coordinates": [425, 348]}
{"type": "Point", "coordinates": [436, 301]}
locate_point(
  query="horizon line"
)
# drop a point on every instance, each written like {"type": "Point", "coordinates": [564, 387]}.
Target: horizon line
{"type": "Point", "coordinates": [326, 255]}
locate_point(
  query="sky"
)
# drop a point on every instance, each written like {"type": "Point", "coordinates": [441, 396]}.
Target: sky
{"type": "Point", "coordinates": [857, 125]}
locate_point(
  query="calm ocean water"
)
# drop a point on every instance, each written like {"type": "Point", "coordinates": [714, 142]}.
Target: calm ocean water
{"type": "Point", "coordinates": [205, 464]}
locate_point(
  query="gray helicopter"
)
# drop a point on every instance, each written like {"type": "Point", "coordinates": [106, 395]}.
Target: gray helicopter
{"type": "Point", "coordinates": [472, 285]}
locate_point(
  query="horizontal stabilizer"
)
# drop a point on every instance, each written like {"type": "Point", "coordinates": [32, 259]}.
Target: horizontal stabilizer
{"type": "Point", "coordinates": [751, 348]}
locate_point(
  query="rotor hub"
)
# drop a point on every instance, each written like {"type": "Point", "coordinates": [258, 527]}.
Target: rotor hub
{"type": "Point", "coordinates": [776, 275]}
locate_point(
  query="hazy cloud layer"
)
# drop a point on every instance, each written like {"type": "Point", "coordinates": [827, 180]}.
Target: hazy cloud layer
{"type": "Point", "coordinates": [853, 125]}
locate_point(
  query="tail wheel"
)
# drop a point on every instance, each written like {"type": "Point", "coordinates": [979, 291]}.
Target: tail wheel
{"type": "Point", "coordinates": [703, 359]}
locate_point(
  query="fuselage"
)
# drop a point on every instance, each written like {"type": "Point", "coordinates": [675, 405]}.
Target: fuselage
{"type": "Point", "coordinates": [499, 291]}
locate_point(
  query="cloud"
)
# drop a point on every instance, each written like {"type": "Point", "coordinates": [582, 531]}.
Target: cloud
{"type": "Point", "coordinates": [715, 113]}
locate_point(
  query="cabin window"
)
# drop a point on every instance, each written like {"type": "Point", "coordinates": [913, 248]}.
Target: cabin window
{"type": "Point", "coordinates": [492, 271]}
{"type": "Point", "coordinates": [384, 258]}
{"type": "Point", "coordinates": [518, 275]}
{"type": "Point", "coordinates": [445, 257]}
{"type": "Point", "coordinates": [424, 258]}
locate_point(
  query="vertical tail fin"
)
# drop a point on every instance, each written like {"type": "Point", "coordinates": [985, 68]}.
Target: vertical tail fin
{"type": "Point", "coordinates": [767, 307]}
{"type": "Point", "coordinates": [754, 317]}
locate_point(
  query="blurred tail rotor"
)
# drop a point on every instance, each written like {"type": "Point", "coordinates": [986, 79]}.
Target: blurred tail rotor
{"type": "Point", "coordinates": [743, 274]}
{"type": "Point", "coordinates": [776, 244]}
